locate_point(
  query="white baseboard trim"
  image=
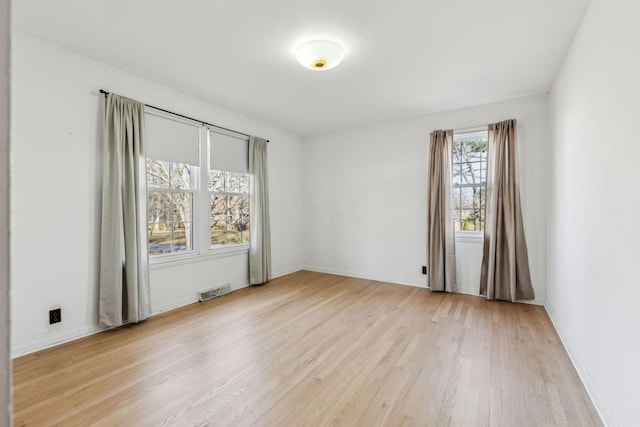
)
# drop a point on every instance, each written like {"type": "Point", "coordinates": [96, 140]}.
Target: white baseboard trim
{"type": "Point", "coordinates": [34, 347]}
{"type": "Point", "coordinates": [461, 289]}
{"type": "Point", "coordinates": [468, 291]}
{"type": "Point", "coordinates": [76, 334]}
{"type": "Point", "coordinates": [601, 409]}
{"type": "Point", "coordinates": [286, 272]}
{"type": "Point", "coordinates": [66, 337]}
{"type": "Point", "coordinates": [173, 305]}
{"type": "Point", "coordinates": [361, 276]}
{"type": "Point", "coordinates": [91, 330]}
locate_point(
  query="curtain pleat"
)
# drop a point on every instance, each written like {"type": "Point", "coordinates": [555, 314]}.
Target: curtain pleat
{"type": "Point", "coordinates": [260, 249]}
{"type": "Point", "coordinates": [124, 266]}
{"type": "Point", "coordinates": [441, 257]}
{"type": "Point", "coordinates": [505, 264]}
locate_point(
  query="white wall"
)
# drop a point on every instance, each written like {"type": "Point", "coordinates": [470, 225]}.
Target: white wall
{"type": "Point", "coordinates": [594, 256]}
{"type": "Point", "coordinates": [57, 113]}
{"type": "Point", "coordinates": [5, 361]}
{"type": "Point", "coordinates": [365, 195]}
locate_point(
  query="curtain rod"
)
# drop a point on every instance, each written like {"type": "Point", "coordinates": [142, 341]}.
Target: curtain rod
{"type": "Point", "coordinates": [105, 93]}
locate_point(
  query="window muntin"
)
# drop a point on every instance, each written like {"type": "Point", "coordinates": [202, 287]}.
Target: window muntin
{"type": "Point", "coordinates": [197, 189]}
{"type": "Point", "coordinates": [229, 195]}
{"type": "Point", "coordinates": [469, 176]}
{"type": "Point", "coordinates": [170, 207]}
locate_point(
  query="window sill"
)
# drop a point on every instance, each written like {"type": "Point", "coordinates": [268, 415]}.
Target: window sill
{"type": "Point", "coordinates": [469, 236]}
{"type": "Point", "coordinates": [190, 258]}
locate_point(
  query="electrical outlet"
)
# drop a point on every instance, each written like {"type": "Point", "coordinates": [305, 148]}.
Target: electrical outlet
{"type": "Point", "coordinates": [424, 269]}
{"type": "Point", "coordinates": [55, 316]}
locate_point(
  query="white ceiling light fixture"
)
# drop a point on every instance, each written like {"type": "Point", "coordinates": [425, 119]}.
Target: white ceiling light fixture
{"type": "Point", "coordinates": [319, 55]}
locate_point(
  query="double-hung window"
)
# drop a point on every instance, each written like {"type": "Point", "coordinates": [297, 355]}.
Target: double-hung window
{"type": "Point", "coordinates": [197, 188]}
{"type": "Point", "coordinates": [469, 180]}
{"type": "Point", "coordinates": [173, 157]}
{"type": "Point", "coordinates": [228, 189]}
{"type": "Point", "coordinates": [170, 202]}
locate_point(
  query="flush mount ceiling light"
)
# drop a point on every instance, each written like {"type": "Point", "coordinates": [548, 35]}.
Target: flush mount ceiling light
{"type": "Point", "coordinates": [319, 54]}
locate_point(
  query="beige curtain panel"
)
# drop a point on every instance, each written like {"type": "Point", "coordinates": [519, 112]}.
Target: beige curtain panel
{"type": "Point", "coordinates": [505, 264]}
{"type": "Point", "coordinates": [441, 257]}
{"type": "Point", "coordinates": [124, 267]}
{"type": "Point", "coordinates": [260, 249]}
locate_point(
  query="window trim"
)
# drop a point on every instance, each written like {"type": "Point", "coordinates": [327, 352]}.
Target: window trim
{"type": "Point", "coordinates": [193, 190]}
{"type": "Point", "coordinates": [202, 248]}
{"type": "Point", "coordinates": [213, 193]}
{"type": "Point", "coordinates": [206, 235]}
{"type": "Point", "coordinates": [471, 236]}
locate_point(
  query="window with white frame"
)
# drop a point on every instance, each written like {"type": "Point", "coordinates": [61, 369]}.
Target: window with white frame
{"type": "Point", "coordinates": [194, 207]}
{"type": "Point", "coordinates": [228, 189]}
{"type": "Point", "coordinates": [170, 201]}
{"type": "Point", "coordinates": [469, 180]}
{"type": "Point", "coordinates": [173, 157]}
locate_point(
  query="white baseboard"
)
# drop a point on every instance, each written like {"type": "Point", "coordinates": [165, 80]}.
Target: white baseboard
{"type": "Point", "coordinates": [76, 334]}
{"type": "Point", "coordinates": [361, 276]}
{"type": "Point", "coordinates": [461, 289]}
{"type": "Point", "coordinates": [286, 272]}
{"type": "Point", "coordinates": [173, 305]}
{"type": "Point", "coordinates": [601, 409]}
{"type": "Point", "coordinates": [468, 291]}
{"type": "Point", "coordinates": [54, 341]}
{"type": "Point", "coordinates": [91, 330]}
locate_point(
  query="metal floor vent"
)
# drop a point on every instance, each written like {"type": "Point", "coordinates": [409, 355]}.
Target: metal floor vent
{"type": "Point", "coordinates": [214, 292]}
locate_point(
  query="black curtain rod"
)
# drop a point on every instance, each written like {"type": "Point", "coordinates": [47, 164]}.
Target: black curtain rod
{"type": "Point", "coordinates": [105, 93]}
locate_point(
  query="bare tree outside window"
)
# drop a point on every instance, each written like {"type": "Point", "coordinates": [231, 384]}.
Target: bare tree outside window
{"type": "Point", "coordinates": [229, 207]}
{"type": "Point", "coordinates": [169, 207]}
{"type": "Point", "coordinates": [469, 170]}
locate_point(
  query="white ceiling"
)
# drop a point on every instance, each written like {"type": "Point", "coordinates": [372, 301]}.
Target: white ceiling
{"type": "Point", "coordinates": [404, 57]}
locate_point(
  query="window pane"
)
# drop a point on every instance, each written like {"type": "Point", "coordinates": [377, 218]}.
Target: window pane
{"type": "Point", "coordinates": [180, 176]}
{"type": "Point", "coordinates": [218, 237]}
{"type": "Point", "coordinates": [474, 151]}
{"type": "Point", "coordinates": [245, 232]}
{"type": "Point", "coordinates": [468, 181]}
{"type": "Point", "coordinates": [218, 207]}
{"type": "Point", "coordinates": [457, 155]}
{"type": "Point", "coordinates": [181, 207]}
{"type": "Point", "coordinates": [469, 220]}
{"type": "Point", "coordinates": [182, 237]}
{"type": "Point", "coordinates": [244, 183]}
{"type": "Point", "coordinates": [233, 237]}
{"type": "Point", "coordinates": [229, 207]}
{"type": "Point", "coordinates": [159, 235]}
{"type": "Point", "coordinates": [235, 206]}
{"type": "Point", "coordinates": [158, 206]}
{"type": "Point", "coordinates": [470, 173]}
{"type": "Point", "coordinates": [467, 197]}
{"type": "Point", "coordinates": [157, 173]}
{"type": "Point", "coordinates": [216, 180]}
{"type": "Point", "coordinates": [169, 222]}
{"type": "Point", "coordinates": [233, 182]}
{"type": "Point", "coordinates": [218, 219]}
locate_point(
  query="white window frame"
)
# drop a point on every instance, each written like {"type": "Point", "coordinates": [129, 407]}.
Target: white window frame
{"type": "Point", "coordinates": [465, 135]}
{"type": "Point", "coordinates": [216, 249]}
{"type": "Point", "coordinates": [201, 210]}
{"type": "Point", "coordinates": [193, 190]}
{"type": "Point", "coordinates": [212, 194]}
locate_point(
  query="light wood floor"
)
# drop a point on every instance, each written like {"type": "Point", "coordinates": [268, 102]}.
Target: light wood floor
{"type": "Point", "coordinates": [313, 349]}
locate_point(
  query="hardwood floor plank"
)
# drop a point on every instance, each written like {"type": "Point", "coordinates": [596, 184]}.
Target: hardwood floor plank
{"type": "Point", "coordinates": [313, 349]}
